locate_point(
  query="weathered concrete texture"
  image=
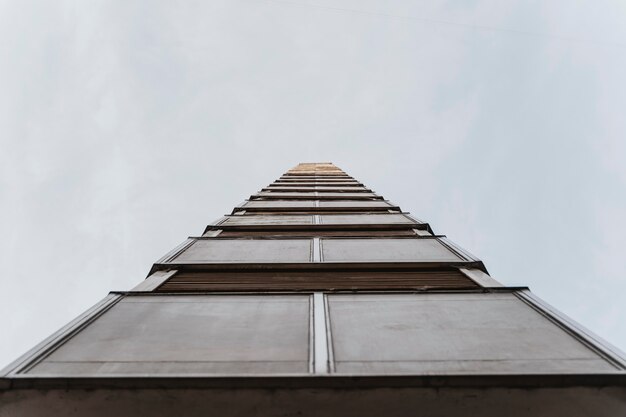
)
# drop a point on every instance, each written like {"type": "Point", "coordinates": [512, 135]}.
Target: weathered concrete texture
{"type": "Point", "coordinates": [189, 335]}
{"type": "Point", "coordinates": [326, 219]}
{"type": "Point", "coordinates": [354, 204]}
{"type": "Point", "coordinates": [280, 204]}
{"type": "Point", "coordinates": [426, 402]}
{"type": "Point", "coordinates": [240, 250]}
{"type": "Point", "coordinates": [451, 333]}
{"type": "Point", "coordinates": [386, 250]}
{"type": "Point", "coordinates": [383, 218]}
{"type": "Point", "coordinates": [371, 334]}
{"type": "Point", "coordinates": [268, 220]}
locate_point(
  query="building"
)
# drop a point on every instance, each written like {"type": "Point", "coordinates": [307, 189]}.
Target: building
{"type": "Point", "coordinates": [317, 296]}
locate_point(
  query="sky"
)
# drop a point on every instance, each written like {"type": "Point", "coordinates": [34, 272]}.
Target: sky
{"type": "Point", "coordinates": [126, 126]}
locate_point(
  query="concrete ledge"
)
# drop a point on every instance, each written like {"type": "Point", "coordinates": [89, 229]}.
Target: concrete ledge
{"type": "Point", "coordinates": [616, 379]}
{"type": "Point", "coordinates": [304, 402]}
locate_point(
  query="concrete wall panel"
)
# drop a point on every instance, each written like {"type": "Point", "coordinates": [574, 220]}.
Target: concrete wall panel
{"type": "Point", "coordinates": [386, 250]}
{"type": "Point", "coordinates": [247, 251]}
{"type": "Point", "coordinates": [198, 334]}
{"type": "Point", "coordinates": [451, 333]}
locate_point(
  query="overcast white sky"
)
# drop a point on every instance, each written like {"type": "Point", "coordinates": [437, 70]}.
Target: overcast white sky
{"type": "Point", "coordinates": [126, 126]}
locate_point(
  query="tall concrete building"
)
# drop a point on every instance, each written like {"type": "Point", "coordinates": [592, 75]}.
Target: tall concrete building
{"type": "Point", "coordinates": [316, 296]}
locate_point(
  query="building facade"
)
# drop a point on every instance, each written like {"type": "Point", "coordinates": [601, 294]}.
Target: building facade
{"type": "Point", "coordinates": [316, 296]}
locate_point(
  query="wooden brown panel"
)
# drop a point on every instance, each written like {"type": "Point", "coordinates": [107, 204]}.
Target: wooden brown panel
{"type": "Point", "coordinates": [320, 280]}
{"type": "Point", "coordinates": [315, 188]}
{"type": "Point", "coordinates": [316, 233]}
{"type": "Point", "coordinates": [318, 180]}
{"type": "Point", "coordinates": [315, 175]}
{"type": "Point", "coordinates": [321, 212]}
{"type": "Point", "coordinates": [315, 184]}
{"type": "Point", "coordinates": [332, 208]}
{"type": "Point", "coordinates": [283, 195]}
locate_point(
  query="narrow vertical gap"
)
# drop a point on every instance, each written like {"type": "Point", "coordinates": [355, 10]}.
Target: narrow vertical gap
{"type": "Point", "coordinates": [311, 336]}
{"type": "Point", "coordinates": [320, 345]}
{"type": "Point", "coordinates": [316, 250]}
{"type": "Point", "coordinates": [329, 337]}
